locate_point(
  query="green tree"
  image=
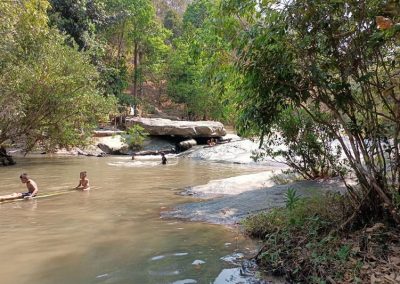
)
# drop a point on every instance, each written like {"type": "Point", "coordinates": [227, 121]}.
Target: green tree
{"type": "Point", "coordinates": [87, 24]}
{"type": "Point", "coordinates": [328, 57]}
{"type": "Point", "coordinates": [201, 73]}
{"type": "Point", "coordinates": [138, 38]}
{"type": "Point", "coordinates": [48, 90]}
{"type": "Point", "coordinates": [80, 20]}
{"type": "Point", "coordinates": [135, 137]}
{"type": "Point", "coordinates": [304, 145]}
{"type": "Point", "coordinates": [173, 22]}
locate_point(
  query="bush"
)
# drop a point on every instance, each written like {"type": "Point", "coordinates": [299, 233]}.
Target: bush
{"type": "Point", "coordinates": [298, 239]}
{"type": "Point", "coordinates": [135, 137]}
{"type": "Point", "coordinates": [304, 145]}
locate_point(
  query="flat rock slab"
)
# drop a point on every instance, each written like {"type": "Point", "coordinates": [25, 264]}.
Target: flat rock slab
{"type": "Point", "coordinates": [112, 145]}
{"type": "Point", "coordinates": [106, 133]}
{"type": "Point", "coordinates": [237, 152]}
{"type": "Point", "coordinates": [230, 209]}
{"type": "Point", "coordinates": [162, 127]}
{"type": "Point", "coordinates": [232, 186]}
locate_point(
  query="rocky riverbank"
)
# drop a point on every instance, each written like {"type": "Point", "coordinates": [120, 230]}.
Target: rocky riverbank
{"type": "Point", "coordinates": [236, 198]}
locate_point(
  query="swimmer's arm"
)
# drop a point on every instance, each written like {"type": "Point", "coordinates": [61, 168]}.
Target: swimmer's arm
{"type": "Point", "coordinates": [78, 186]}
{"type": "Point", "coordinates": [35, 191]}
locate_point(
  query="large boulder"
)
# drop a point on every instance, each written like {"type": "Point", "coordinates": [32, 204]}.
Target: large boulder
{"type": "Point", "coordinates": [187, 144]}
{"type": "Point", "coordinates": [238, 152]}
{"type": "Point", "coordinates": [113, 145]}
{"type": "Point", "coordinates": [161, 127]}
{"type": "Point", "coordinates": [90, 151]}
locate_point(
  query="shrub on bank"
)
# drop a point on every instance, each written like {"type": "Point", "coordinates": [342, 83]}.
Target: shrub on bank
{"type": "Point", "coordinates": [304, 243]}
{"type": "Point", "coordinates": [300, 241]}
{"type": "Point", "coordinates": [135, 137]}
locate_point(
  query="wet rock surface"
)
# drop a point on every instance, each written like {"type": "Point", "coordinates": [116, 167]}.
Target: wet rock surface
{"type": "Point", "coordinates": [107, 133]}
{"type": "Point", "coordinates": [89, 151]}
{"type": "Point", "coordinates": [231, 186]}
{"type": "Point", "coordinates": [245, 273]}
{"type": "Point", "coordinates": [161, 127]}
{"type": "Point", "coordinates": [113, 145]}
{"type": "Point", "coordinates": [187, 144]}
{"type": "Point", "coordinates": [232, 151]}
{"type": "Point", "coordinates": [229, 209]}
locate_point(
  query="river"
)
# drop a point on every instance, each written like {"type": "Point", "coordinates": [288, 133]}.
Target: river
{"type": "Point", "coordinates": [113, 233]}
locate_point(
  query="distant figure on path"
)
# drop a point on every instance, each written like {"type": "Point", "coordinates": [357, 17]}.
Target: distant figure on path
{"type": "Point", "coordinates": [83, 182]}
{"type": "Point", "coordinates": [163, 159]}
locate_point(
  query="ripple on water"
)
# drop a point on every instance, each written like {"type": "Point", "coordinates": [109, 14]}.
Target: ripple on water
{"type": "Point", "coordinates": [158, 257]}
{"type": "Point", "coordinates": [164, 273]}
{"type": "Point", "coordinates": [102, 276]}
{"type": "Point", "coordinates": [185, 281]}
{"type": "Point", "coordinates": [134, 164]}
{"type": "Point", "coordinates": [180, 253]}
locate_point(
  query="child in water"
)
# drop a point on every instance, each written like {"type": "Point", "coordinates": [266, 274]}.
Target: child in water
{"type": "Point", "coordinates": [83, 182]}
{"type": "Point", "coordinates": [30, 185]}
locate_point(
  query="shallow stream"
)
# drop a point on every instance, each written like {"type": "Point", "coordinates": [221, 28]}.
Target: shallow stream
{"type": "Point", "coordinates": [113, 233]}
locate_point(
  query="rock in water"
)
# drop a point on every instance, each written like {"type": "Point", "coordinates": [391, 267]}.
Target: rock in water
{"type": "Point", "coordinates": [113, 145]}
{"type": "Point", "coordinates": [160, 127]}
{"type": "Point", "coordinates": [187, 144]}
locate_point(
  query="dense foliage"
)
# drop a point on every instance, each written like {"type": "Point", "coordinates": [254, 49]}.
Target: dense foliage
{"type": "Point", "coordinates": [201, 73]}
{"type": "Point", "coordinates": [318, 82]}
{"type": "Point", "coordinates": [135, 137]}
{"type": "Point", "coordinates": [333, 60]}
{"type": "Point", "coordinates": [299, 242]}
{"type": "Point", "coordinates": [320, 77]}
{"type": "Point", "coordinates": [48, 90]}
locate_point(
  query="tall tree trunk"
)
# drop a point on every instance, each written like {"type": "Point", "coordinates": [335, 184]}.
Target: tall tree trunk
{"type": "Point", "coordinates": [135, 74]}
{"type": "Point", "coordinates": [120, 40]}
{"type": "Point", "coordinates": [140, 81]}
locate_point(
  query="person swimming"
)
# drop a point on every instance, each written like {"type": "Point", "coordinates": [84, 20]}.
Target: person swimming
{"type": "Point", "coordinates": [163, 159]}
{"type": "Point", "coordinates": [30, 185]}
{"type": "Point", "coordinates": [83, 181]}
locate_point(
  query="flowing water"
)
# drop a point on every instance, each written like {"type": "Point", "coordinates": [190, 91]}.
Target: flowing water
{"type": "Point", "coordinates": [113, 233]}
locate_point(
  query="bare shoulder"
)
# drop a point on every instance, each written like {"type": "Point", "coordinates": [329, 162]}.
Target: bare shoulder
{"type": "Point", "coordinates": [32, 182]}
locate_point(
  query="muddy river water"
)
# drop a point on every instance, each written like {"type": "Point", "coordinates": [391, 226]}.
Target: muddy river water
{"type": "Point", "coordinates": [113, 233]}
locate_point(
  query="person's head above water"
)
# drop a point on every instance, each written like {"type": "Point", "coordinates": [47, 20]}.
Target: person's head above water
{"type": "Point", "coordinates": [83, 174]}
{"type": "Point", "coordinates": [24, 177]}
